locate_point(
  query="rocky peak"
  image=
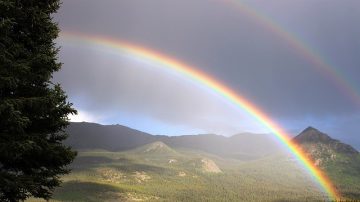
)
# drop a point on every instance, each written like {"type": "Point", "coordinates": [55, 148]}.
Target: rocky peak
{"type": "Point", "coordinates": [313, 135]}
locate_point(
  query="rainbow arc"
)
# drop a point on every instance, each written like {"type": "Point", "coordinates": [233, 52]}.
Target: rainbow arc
{"type": "Point", "coordinates": [206, 80]}
{"type": "Point", "coordinates": [301, 48]}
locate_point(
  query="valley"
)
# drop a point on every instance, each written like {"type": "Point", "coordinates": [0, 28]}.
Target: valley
{"type": "Point", "coordinates": [156, 171]}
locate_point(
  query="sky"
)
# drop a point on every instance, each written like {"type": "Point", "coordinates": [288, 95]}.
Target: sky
{"type": "Point", "coordinates": [232, 41]}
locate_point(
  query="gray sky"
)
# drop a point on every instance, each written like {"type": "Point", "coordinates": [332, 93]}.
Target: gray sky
{"type": "Point", "coordinates": [220, 39]}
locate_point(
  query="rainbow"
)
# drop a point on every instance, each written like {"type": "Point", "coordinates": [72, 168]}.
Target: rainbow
{"type": "Point", "coordinates": [301, 48]}
{"type": "Point", "coordinates": [209, 82]}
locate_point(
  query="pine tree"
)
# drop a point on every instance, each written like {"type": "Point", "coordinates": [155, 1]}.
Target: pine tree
{"type": "Point", "coordinates": [33, 110]}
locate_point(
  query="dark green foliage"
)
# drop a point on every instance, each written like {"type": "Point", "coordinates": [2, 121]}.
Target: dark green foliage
{"type": "Point", "coordinates": [111, 176]}
{"type": "Point", "coordinates": [344, 171]}
{"type": "Point", "coordinates": [100, 175]}
{"type": "Point", "coordinates": [33, 111]}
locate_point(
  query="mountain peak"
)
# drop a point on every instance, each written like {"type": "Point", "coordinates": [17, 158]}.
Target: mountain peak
{"type": "Point", "coordinates": [310, 129]}
{"type": "Point", "coordinates": [155, 148]}
{"type": "Point", "coordinates": [311, 134]}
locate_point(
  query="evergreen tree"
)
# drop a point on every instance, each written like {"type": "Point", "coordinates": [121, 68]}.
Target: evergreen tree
{"type": "Point", "coordinates": [33, 110]}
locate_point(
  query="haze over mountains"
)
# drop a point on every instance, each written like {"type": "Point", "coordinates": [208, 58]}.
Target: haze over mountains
{"type": "Point", "coordinates": [251, 167]}
{"type": "Point", "coordinates": [120, 138]}
{"type": "Point", "coordinates": [85, 135]}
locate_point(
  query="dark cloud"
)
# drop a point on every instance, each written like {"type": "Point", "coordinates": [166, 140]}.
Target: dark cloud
{"type": "Point", "coordinates": [110, 85]}
{"type": "Point", "coordinates": [223, 41]}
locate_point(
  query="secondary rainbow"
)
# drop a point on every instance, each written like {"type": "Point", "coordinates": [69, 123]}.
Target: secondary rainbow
{"type": "Point", "coordinates": [211, 83]}
{"type": "Point", "coordinates": [300, 47]}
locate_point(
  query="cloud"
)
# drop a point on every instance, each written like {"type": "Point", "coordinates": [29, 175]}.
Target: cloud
{"type": "Point", "coordinates": [223, 41]}
{"type": "Point", "coordinates": [110, 85]}
{"type": "Point", "coordinates": [84, 116]}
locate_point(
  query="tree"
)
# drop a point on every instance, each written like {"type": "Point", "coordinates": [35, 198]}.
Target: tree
{"type": "Point", "coordinates": [33, 110]}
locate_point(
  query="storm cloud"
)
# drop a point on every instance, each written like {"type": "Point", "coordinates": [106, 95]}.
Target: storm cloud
{"type": "Point", "coordinates": [227, 43]}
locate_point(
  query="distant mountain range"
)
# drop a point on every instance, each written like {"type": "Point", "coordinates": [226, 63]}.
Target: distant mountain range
{"type": "Point", "coordinates": [243, 146]}
{"type": "Point", "coordinates": [340, 161]}
{"type": "Point", "coordinates": [85, 135]}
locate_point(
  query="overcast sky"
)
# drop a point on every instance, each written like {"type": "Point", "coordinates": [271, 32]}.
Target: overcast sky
{"type": "Point", "coordinates": [219, 38]}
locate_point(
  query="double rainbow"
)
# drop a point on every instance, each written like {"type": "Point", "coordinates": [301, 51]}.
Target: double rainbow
{"type": "Point", "coordinates": [206, 80]}
{"type": "Point", "coordinates": [303, 49]}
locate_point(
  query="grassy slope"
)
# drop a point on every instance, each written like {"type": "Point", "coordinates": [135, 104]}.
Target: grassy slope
{"type": "Point", "coordinates": [345, 172]}
{"type": "Point", "coordinates": [342, 168]}
{"type": "Point", "coordinates": [130, 176]}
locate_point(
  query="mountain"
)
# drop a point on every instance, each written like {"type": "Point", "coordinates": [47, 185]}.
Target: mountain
{"type": "Point", "coordinates": [243, 146]}
{"type": "Point", "coordinates": [85, 135]}
{"type": "Point", "coordinates": [183, 167]}
{"type": "Point", "coordinates": [321, 146]}
{"type": "Point", "coordinates": [311, 134]}
{"type": "Point", "coordinates": [153, 172]}
{"type": "Point", "coordinates": [154, 149]}
{"type": "Point", "coordinates": [340, 161]}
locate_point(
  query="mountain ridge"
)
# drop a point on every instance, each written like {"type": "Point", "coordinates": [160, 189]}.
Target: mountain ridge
{"type": "Point", "coordinates": [83, 135]}
{"type": "Point", "coordinates": [245, 146]}
{"type": "Point", "coordinates": [210, 154]}
{"type": "Point", "coordinates": [313, 136]}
